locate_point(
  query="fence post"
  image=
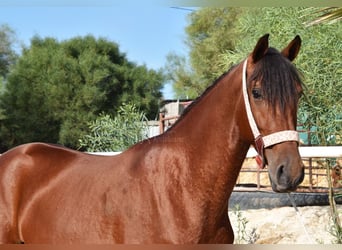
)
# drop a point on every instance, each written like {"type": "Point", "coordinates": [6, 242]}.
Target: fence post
{"type": "Point", "coordinates": [161, 122]}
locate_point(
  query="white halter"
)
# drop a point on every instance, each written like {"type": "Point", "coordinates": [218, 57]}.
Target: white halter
{"type": "Point", "coordinates": [262, 142]}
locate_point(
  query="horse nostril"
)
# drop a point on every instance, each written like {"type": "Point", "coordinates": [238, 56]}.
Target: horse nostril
{"type": "Point", "coordinates": [280, 172]}
{"type": "Point", "coordinates": [282, 177]}
{"type": "Point", "coordinates": [286, 180]}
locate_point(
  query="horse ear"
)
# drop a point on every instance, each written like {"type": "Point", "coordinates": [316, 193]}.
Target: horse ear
{"type": "Point", "coordinates": [292, 50]}
{"type": "Point", "coordinates": [260, 48]}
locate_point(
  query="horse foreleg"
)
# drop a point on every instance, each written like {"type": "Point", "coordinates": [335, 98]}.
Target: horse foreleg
{"type": "Point", "coordinates": [7, 236]}
{"type": "Point", "coordinates": [223, 236]}
{"type": "Point", "coordinates": [8, 233]}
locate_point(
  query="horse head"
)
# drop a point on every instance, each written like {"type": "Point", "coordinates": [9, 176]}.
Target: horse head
{"type": "Point", "coordinates": [273, 89]}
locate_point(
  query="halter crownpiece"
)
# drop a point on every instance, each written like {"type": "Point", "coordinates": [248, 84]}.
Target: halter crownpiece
{"type": "Point", "coordinates": [262, 142]}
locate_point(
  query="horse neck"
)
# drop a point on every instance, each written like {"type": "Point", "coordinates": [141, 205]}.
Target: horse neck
{"type": "Point", "coordinates": [215, 134]}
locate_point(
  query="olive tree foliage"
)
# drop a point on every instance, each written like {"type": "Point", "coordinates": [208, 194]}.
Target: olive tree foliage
{"type": "Point", "coordinates": [56, 88]}
{"type": "Point", "coordinates": [319, 62]}
{"type": "Point", "coordinates": [182, 77]}
{"type": "Point", "coordinates": [108, 134]}
{"type": "Point", "coordinates": [209, 34]}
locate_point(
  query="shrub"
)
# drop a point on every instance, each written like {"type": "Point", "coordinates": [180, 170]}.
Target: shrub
{"type": "Point", "coordinates": [108, 134]}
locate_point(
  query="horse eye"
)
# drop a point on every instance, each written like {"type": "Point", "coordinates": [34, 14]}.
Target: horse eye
{"type": "Point", "coordinates": [256, 94]}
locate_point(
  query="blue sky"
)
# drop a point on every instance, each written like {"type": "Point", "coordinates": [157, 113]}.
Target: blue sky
{"type": "Point", "coordinates": [146, 33]}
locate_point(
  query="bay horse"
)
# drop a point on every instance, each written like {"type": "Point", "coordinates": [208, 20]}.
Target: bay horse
{"type": "Point", "coordinates": [173, 188]}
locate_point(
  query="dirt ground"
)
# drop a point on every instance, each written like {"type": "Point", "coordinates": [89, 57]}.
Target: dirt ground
{"type": "Point", "coordinates": [285, 226]}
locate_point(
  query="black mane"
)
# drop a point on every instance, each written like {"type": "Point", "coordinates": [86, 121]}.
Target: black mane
{"type": "Point", "coordinates": [279, 79]}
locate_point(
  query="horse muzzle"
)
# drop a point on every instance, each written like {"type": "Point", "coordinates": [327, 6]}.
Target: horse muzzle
{"type": "Point", "coordinates": [284, 183]}
{"type": "Point", "coordinates": [286, 172]}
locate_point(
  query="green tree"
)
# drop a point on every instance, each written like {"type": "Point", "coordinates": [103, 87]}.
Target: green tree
{"type": "Point", "coordinates": [109, 134]}
{"type": "Point", "coordinates": [211, 31]}
{"type": "Point", "coordinates": [7, 54]}
{"type": "Point", "coordinates": [182, 77]}
{"type": "Point", "coordinates": [7, 59]}
{"type": "Point", "coordinates": [56, 88]}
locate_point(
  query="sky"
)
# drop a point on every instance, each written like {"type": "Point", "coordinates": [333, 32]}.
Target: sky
{"type": "Point", "coordinates": [145, 32]}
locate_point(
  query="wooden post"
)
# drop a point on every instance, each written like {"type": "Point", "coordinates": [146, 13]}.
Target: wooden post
{"type": "Point", "coordinates": [161, 122]}
{"type": "Point", "coordinates": [310, 175]}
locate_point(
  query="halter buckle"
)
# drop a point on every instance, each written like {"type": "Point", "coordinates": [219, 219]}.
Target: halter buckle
{"type": "Point", "coordinates": [259, 146]}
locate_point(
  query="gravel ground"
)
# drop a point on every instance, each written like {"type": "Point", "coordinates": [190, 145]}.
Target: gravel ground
{"type": "Point", "coordinates": [284, 225]}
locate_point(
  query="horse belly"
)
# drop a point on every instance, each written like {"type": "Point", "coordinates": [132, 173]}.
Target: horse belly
{"type": "Point", "coordinates": [66, 222]}
{"type": "Point", "coordinates": [97, 223]}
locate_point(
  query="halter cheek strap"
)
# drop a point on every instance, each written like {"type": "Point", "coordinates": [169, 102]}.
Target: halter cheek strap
{"type": "Point", "coordinates": [262, 142]}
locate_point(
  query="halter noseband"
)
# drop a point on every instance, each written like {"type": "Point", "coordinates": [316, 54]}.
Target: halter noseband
{"type": "Point", "coordinates": [262, 142]}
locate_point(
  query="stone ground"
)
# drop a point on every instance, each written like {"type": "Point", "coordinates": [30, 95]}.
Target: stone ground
{"type": "Point", "coordinates": [273, 218]}
{"type": "Point", "coordinates": [284, 226]}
